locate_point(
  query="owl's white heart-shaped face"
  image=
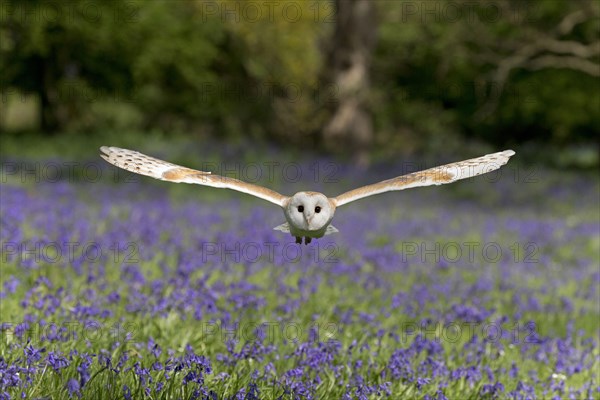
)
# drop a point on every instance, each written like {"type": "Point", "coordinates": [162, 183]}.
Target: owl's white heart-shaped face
{"type": "Point", "coordinates": [309, 211]}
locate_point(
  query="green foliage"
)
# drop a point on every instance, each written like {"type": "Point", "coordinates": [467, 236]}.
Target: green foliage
{"type": "Point", "coordinates": [253, 70]}
{"type": "Point", "coordinates": [154, 58]}
{"type": "Point", "coordinates": [435, 67]}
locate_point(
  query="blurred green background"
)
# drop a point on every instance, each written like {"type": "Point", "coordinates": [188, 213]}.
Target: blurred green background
{"type": "Point", "coordinates": [370, 80]}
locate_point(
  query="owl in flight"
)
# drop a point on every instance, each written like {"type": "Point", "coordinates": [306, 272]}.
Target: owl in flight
{"type": "Point", "coordinates": [308, 214]}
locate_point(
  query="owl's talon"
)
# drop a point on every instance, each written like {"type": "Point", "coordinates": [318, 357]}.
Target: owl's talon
{"type": "Point", "coordinates": [298, 240]}
{"type": "Point", "coordinates": [307, 240]}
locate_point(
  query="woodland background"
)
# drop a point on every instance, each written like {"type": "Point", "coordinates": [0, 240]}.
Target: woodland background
{"type": "Point", "coordinates": [358, 77]}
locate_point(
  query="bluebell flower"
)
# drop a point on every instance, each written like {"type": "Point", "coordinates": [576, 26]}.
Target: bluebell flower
{"type": "Point", "coordinates": [57, 361]}
{"type": "Point", "coordinates": [73, 387]}
{"type": "Point", "coordinates": [84, 371]}
{"type": "Point", "coordinates": [126, 392]}
{"type": "Point", "coordinates": [33, 354]}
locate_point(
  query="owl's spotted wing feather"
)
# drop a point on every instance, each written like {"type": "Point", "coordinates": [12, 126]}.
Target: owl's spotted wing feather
{"type": "Point", "coordinates": [145, 165]}
{"type": "Point", "coordinates": [142, 164]}
{"type": "Point", "coordinates": [434, 176]}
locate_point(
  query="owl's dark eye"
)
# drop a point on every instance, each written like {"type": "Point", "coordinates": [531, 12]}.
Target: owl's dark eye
{"type": "Point", "coordinates": [300, 208]}
{"type": "Point", "coordinates": [317, 209]}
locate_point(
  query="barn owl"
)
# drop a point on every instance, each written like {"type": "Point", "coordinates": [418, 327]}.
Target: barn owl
{"type": "Point", "coordinates": [308, 214]}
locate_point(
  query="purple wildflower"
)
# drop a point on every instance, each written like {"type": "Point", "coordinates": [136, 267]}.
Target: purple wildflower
{"type": "Point", "coordinates": [73, 387]}
{"type": "Point", "coordinates": [57, 361]}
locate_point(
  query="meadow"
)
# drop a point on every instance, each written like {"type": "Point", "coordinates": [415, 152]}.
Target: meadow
{"type": "Point", "coordinates": [114, 286]}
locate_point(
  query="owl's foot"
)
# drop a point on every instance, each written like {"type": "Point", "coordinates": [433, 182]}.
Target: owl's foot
{"type": "Point", "coordinates": [298, 240]}
{"type": "Point", "coordinates": [307, 240]}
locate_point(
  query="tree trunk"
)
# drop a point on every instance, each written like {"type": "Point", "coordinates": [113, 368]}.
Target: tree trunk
{"type": "Point", "coordinates": [350, 126]}
{"type": "Point", "coordinates": [48, 109]}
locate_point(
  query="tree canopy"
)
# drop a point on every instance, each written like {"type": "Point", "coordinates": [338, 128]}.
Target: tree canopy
{"type": "Point", "coordinates": [498, 72]}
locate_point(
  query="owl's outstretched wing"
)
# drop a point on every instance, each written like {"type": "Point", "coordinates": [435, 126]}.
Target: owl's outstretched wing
{"type": "Point", "coordinates": [144, 165]}
{"type": "Point", "coordinates": [434, 176]}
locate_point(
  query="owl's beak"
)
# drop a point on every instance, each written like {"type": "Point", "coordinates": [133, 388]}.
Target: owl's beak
{"type": "Point", "coordinates": [309, 218]}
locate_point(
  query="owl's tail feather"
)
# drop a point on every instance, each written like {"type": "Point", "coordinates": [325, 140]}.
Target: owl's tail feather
{"type": "Point", "coordinates": [285, 227]}
{"type": "Point", "coordinates": [331, 229]}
